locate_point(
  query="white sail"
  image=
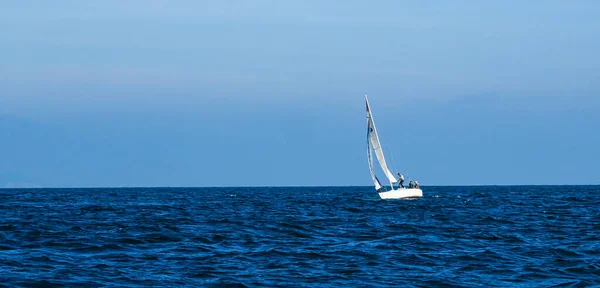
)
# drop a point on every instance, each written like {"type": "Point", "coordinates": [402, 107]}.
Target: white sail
{"type": "Point", "coordinates": [370, 158]}
{"type": "Point", "coordinates": [374, 141]}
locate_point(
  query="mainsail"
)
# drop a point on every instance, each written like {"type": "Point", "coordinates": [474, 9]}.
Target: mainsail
{"type": "Point", "coordinates": [370, 158]}
{"type": "Point", "coordinates": [373, 142]}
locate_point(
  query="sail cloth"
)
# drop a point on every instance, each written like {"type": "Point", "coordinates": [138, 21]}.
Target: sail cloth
{"type": "Point", "coordinates": [370, 158]}
{"type": "Point", "coordinates": [373, 140]}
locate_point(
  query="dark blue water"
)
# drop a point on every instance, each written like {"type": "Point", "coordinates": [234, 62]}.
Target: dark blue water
{"type": "Point", "coordinates": [333, 236]}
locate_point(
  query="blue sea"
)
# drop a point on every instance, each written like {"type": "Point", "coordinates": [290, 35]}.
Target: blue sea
{"type": "Point", "coordinates": [486, 236]}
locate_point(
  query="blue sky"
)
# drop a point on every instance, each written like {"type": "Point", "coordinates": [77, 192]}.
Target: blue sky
{"type": "Point", "coordinates": [236, 93]}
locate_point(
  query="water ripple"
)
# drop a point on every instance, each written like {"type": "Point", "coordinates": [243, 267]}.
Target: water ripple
{"type": "Point", "coordinates": [301, 237]}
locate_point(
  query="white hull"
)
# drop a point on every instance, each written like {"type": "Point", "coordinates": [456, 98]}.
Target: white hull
{"type": "Point", "coordinates": [402, 193]}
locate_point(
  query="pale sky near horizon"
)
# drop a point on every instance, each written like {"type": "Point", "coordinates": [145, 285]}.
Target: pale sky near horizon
{"type": "Point", "coordinates": [271, 93]}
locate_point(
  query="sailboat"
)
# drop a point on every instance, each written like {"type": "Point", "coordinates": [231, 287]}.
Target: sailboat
{"type": "Point", "coordinates": [374, 145]}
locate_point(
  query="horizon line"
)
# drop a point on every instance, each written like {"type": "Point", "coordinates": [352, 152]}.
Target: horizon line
{"type": "Point", "coordinates": [287, 186]}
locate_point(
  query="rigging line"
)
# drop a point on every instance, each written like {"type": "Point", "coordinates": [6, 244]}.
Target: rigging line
{"type": "Point", "coordinates": [393, 160]}
{"type": "Point", "coordinates": [387, 144]}
{"type": "Point", "coordinates": [406, 173]}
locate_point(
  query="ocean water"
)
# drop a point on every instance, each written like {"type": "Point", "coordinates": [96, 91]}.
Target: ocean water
{"type": "Point", "coordinates": [488, 236]}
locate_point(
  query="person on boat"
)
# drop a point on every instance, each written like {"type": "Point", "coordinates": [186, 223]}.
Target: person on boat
{"type": "Point", "coordinates": [400, 180]}
{"type": "Point", "coordinates": [410, 184]}
{"type": "Point", "coordinates": [417, 184]}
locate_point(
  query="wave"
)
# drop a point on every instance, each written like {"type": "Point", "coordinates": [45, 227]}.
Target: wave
{"type": "Point", "coordinates": [274, 237]}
